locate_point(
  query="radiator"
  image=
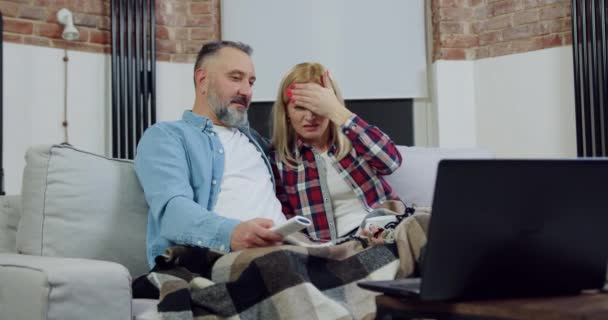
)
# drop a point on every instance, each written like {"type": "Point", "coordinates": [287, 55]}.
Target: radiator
{"type": "Point", "coordinates": [590, 76]}
{"type": "Point", "coordinates": [133, 74]}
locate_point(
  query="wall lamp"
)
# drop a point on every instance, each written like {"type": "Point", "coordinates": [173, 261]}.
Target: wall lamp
{"type": "Point", "coordinates": [64, 16]}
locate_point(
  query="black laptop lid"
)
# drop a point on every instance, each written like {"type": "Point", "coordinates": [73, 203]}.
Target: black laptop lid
{"type": "Point", "coordinates": [512, 228]}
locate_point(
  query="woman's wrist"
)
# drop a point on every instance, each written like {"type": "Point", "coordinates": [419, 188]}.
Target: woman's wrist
{"type": "Point", "coordinates": [341, 115]}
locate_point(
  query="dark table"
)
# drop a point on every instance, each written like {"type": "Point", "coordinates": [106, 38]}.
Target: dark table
{"type": "Point", "coordinates": [587, 306]}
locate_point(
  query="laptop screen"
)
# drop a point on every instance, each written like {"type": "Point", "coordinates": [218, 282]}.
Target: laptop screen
{"type": "Point", "coordinates": [510, 228]}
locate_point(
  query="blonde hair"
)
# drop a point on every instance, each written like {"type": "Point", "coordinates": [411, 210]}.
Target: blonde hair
{"type": "Point", "coordinates": [284, 137]}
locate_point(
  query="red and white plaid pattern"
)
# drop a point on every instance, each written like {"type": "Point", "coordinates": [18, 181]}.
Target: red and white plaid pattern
{"type": "Point", "coordinates": [299, 189]}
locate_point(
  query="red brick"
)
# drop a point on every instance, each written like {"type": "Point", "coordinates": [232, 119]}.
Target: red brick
{"type": "Point", "coordinates": [481, 53]}
{"type": "Point", "coordinates": [33, 13]}
{"type": "Point", "coordinates": [500, 22]}
{"type": "Point", "coordinates": [553, 12]}
{"type": "Point", "coordinates": [192, 47]}
{"type": "Point", "coordinates": [568, 38]}
{"type": "Point", "coordinates": [525, 17]}
{"type": "Point", "coordinates": [200, 8]}
{"type": "Point", "coordinates": [550, 41]}
{"type": "Point", "coordinates": [460, 41]}
{"type": "Point", "coordinates": [170, 20]}
{"type": "Point", "coordinates": [36, 41]}
{"type": "Point", "coordinates": [448, 27]}
{"type": "Point", "coordinates": [481, 12]}
{"type": "Point", "coordinates": [161, 56]}
{"type": "Point", "coordinates": [525, 45]}
{"type": "Point", "coordinates": [202, 34]}
{"type": "Point", "coordinates": [17, 26]}
{"type": "Point", "coordinates": [12, 38]}
{"type": "Point", "coordinates": [453, 54]}
{"type": "Point", "coordinates": [502, 7]}
{"type": "Point", "coordinates": [180, 7]}
{"type": "Point", "coordinates": [49, 30]}
{"type": "Point", "coordinates": [454, 3]}
{"type": "Point", "coordinates": [100, 37]}
{"type": "Point", "coordinates": [9, 9]}
{"type": "Point", "coordinates": [199, 21]}
{"type": "Point", "coordinates": [97, 7]}
{"type": "Point", "coordinates": [499, 49]}
{"type": "Point", "coordinates": [87, 20]}
{"type": "Point", "coordinates": [490, 37]}
{"type": "Point", "coordinates": [181, 34]}
{"type": "Point", "coordinates": [162, 32]}
{"type": "Point", "coordinates": [168, 46]}
{"type": "Point", "coordinates": [550, 26]}
{"type": "Point", "coordinates": [105, 23]}
{"type": "Point", "coordinates": [183, 58]}
{"type": "Point", "coordinates": [520, 32]}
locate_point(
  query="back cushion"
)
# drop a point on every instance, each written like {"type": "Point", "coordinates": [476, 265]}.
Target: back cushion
{"type": "Point", "coordinates": [10, 211]}
{"type": "Point", "coordinates": [414, 181]}
{"type": "Point", "coordinates": [78, 204]}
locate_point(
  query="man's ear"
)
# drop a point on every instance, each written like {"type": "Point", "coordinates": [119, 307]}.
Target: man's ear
{"type": "Point", "coordinates": [200, 78]}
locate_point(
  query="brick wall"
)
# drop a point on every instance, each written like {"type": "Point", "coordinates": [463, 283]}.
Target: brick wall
{"type": "Point", "coordinates": [182, 26]}
{"type": "Point", "coordinates": [35, 22]}
{"type": "Point", "coordinates": [476, 29]}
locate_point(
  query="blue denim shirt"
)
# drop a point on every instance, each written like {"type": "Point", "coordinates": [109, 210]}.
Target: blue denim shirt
{"type": "Point", "coordinates": [180, 165]}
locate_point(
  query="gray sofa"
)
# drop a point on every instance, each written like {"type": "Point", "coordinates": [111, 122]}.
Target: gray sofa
{"type": "Point", "coordinates": [73, 240]}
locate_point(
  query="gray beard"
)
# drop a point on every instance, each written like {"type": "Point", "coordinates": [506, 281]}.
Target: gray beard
{"type": "Point", "coordinates": [230, 116]}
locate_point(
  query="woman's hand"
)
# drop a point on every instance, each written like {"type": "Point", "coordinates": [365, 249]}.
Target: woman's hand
{"type": "Point", "coordinates": [374, 234]}
{"type": "Point", "coordinates": [320, 100]}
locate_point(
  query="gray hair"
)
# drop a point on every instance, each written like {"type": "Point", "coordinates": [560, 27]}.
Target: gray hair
{"type": "Point", "coordinates": [212, 48]}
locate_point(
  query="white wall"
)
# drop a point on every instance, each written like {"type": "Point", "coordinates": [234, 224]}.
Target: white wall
{"type": "Point", "coordinates": [525, 104]}
{"type": "Point", "coordinates": [374, 50]}
{"type": "Point", "coordinates": [454, 98]}
{"type": "Point", "coordinates": [519, 105]}
{"type": "Point", "coordinates": [174, 90]}
{"type": "Point", "coordinates": [33, 101]}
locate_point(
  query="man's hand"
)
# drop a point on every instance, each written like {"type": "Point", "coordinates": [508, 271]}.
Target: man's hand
{"type": "Point", "coordinates": [254, 233]}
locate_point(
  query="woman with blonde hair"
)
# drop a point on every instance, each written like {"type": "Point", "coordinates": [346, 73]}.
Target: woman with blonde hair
{"type": "Point", "coordinates": [327, 161]}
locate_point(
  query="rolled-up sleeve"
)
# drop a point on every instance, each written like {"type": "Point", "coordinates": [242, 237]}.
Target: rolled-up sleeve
{"type": "Point", "coordinates": [373, 145]}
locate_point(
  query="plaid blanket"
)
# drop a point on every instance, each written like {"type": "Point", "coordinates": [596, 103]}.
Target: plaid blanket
{"type": "Point", "coordinates": [282, 282]}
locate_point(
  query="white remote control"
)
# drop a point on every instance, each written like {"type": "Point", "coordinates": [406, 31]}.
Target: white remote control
{"type": "Point", "coordinates": [292, 225]}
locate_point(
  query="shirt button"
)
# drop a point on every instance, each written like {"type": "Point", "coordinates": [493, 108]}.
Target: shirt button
{"type": "Point", "coordinates": [221, 151]}
{"type": "Point", "coordinates": [200, 243]}
{"type": "Point", "coordinates": [214, 181]}
{"type": "Point", "coordinates": [222, 247]}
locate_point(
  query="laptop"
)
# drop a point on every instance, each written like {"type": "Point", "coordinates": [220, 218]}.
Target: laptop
{"type": "Point", "coordinates": [512, 228]}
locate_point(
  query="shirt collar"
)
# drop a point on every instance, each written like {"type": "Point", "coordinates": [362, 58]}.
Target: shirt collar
{"type": "Point", "coordinates": [198, 121]}
{"type": "Point", "coordinates": [300, 146]}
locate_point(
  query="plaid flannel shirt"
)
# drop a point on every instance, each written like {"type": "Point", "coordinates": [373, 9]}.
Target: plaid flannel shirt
{"type": "Point", "coordinates": [303, 191]}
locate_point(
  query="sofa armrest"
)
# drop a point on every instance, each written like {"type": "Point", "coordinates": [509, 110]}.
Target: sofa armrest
{"type": "Point", "coordinates": [50, 288]}
{"type": "Point", "coordinates": [414, 181]}
{"type": "Point", "coordinates": [10, 211]}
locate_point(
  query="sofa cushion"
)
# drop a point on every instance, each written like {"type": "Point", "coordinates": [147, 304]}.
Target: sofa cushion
{"type": "Point", "coordinates": [10, 210]}
{"type": "Point", "coordinates": [414, 181]}
{"type": "Point", "coordinates": [82, 205]}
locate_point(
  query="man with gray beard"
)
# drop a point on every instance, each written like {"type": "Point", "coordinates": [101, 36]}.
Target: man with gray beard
{"type": "Point", "coordinates": [206, 178]}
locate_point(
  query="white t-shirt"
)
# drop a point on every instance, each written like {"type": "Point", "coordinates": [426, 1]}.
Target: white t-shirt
{"type": "Point", "coordinates": [348, 209]}
{"type": "Point", "coordinates": [246, 190]}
